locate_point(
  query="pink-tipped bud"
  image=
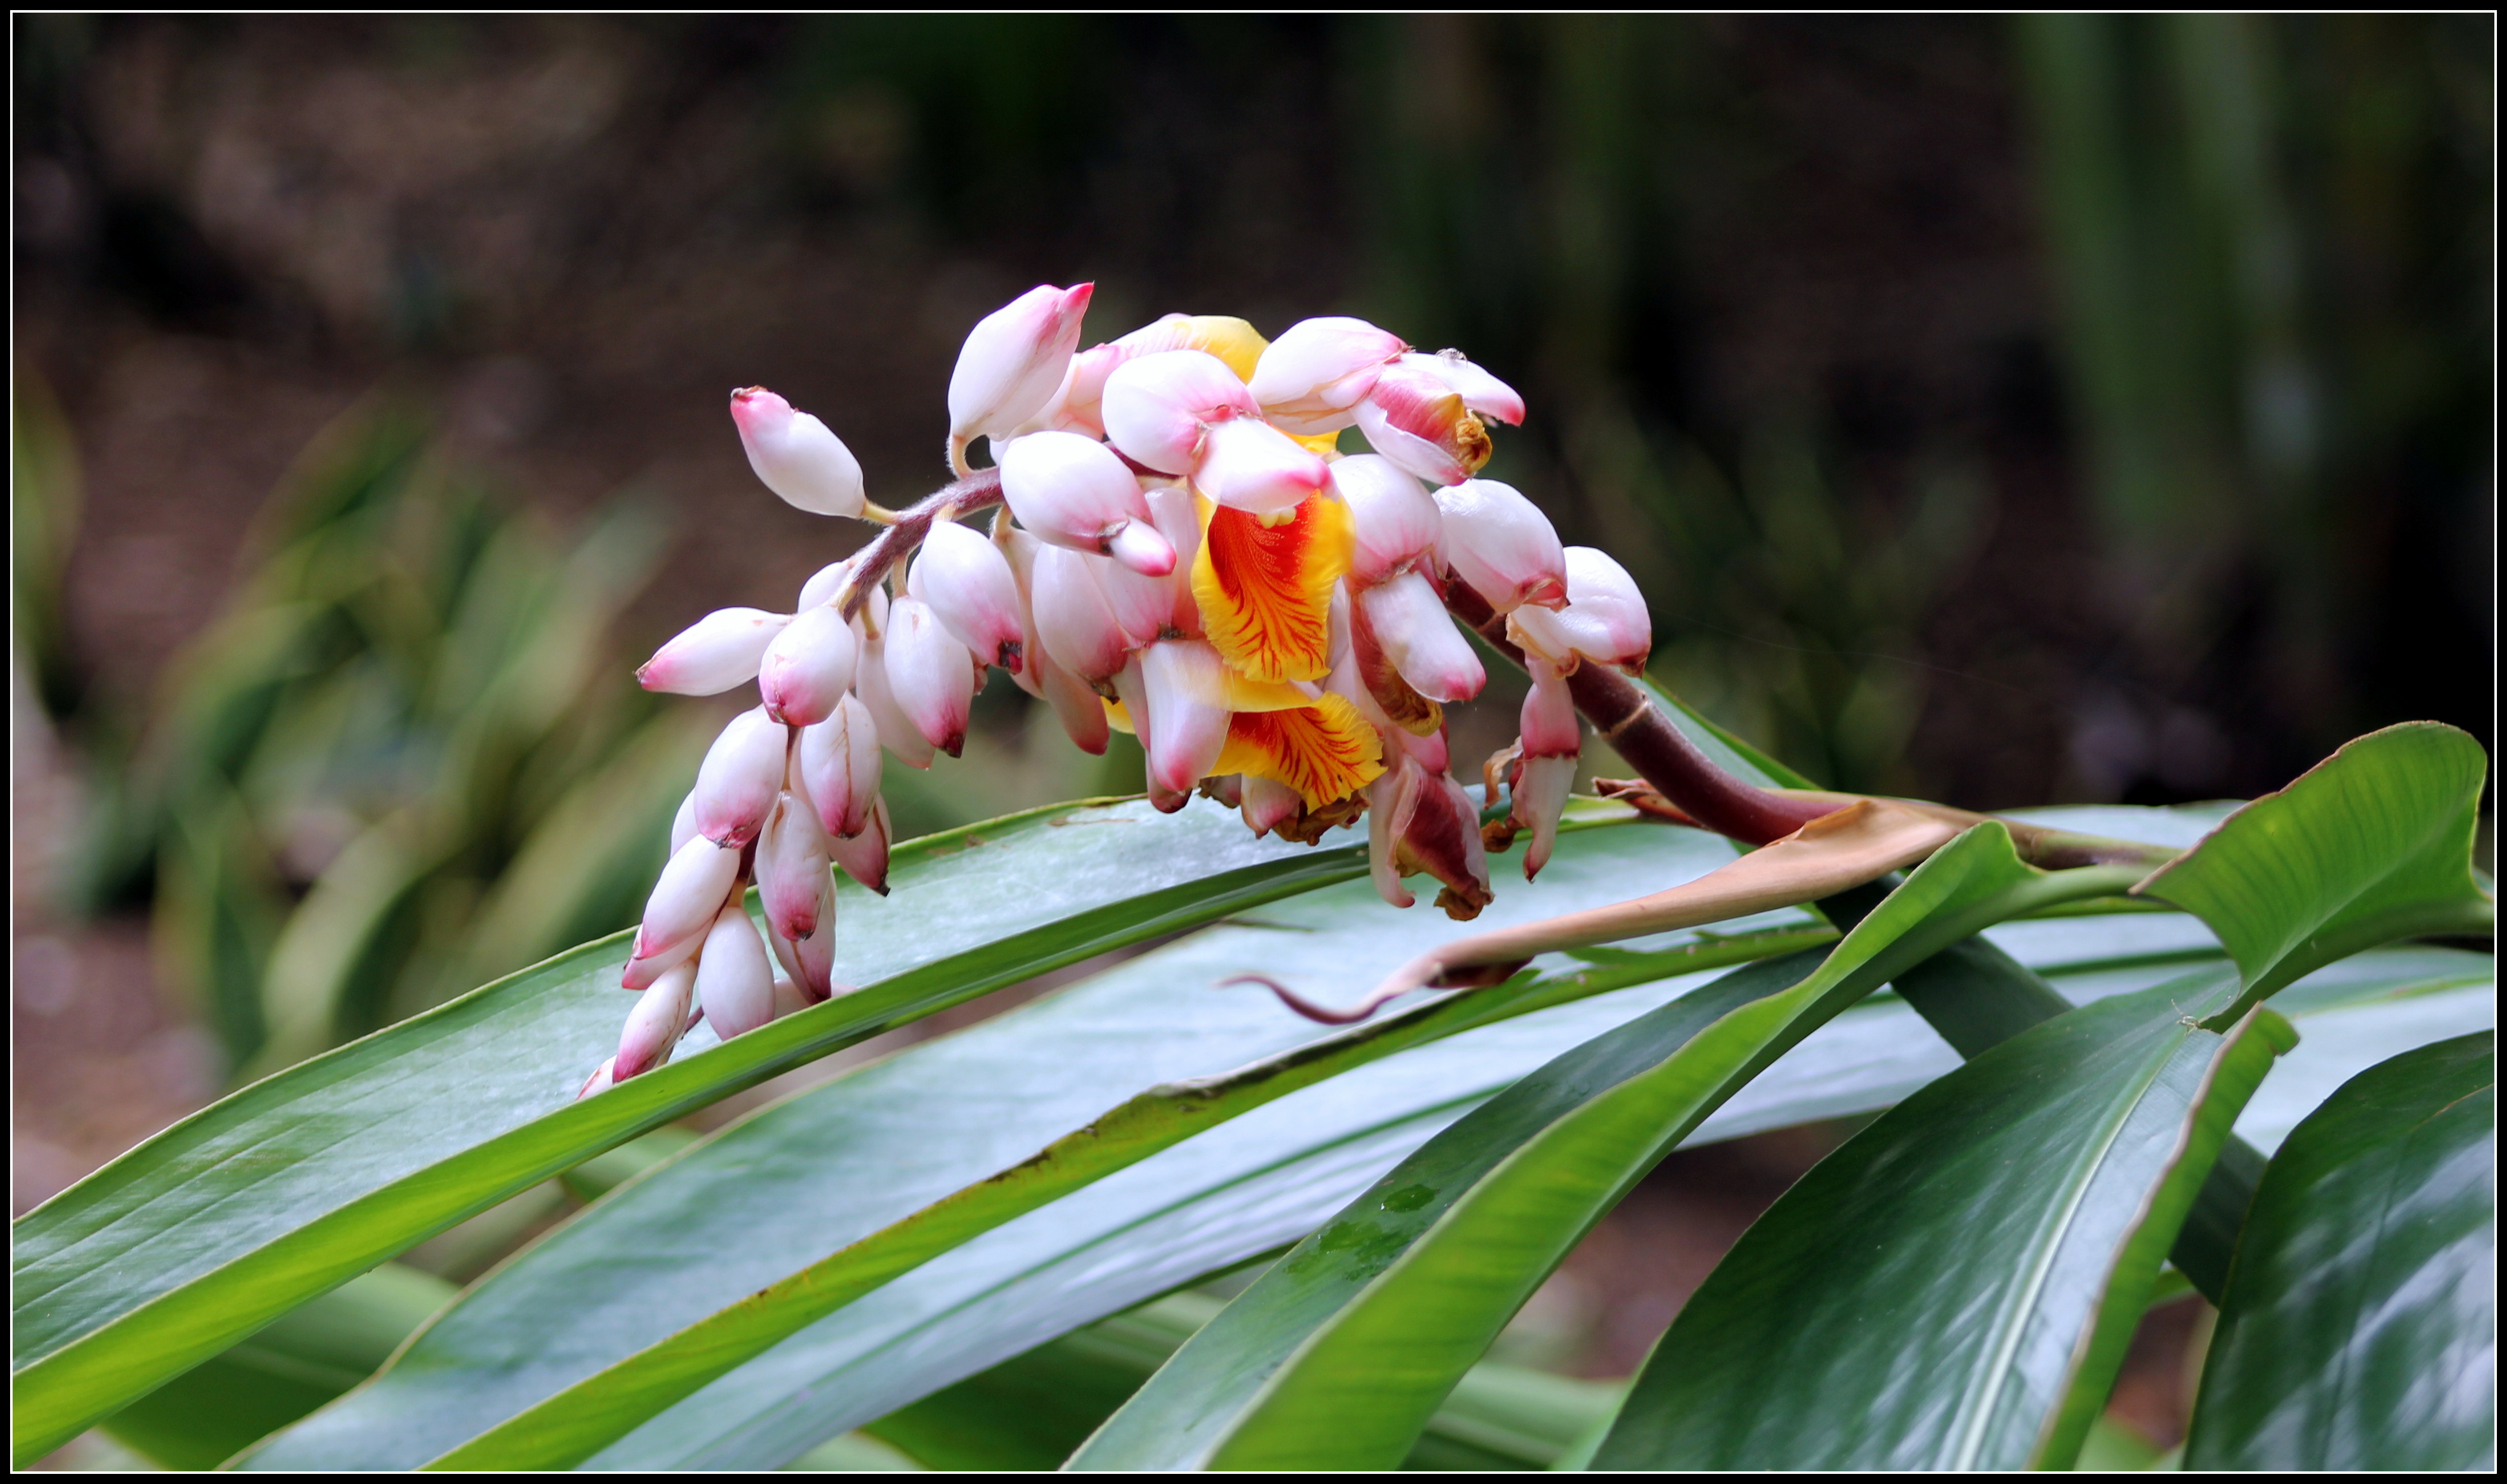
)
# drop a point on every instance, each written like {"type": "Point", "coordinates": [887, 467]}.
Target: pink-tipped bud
{"type": "Point", "coordinates": [929, 673]}
{"type": "Point", "coordinates": [1073, 619]}
{"type": "Point", "coordinates": [789, 998]}
{"type": "Point", "coordinates": [1266, 804]}
{"type": "Point", "coordinates": [735, 981]}
{"type": "Point", "coordinates": [791, 865]}
{"type": "Point", "coordinates": [896, 733]}
{"type": "Point", "coordinates": [1156, 406]}
{"type": "Point", "coordinates": [968, 584]}
{"type": "Point", "coordinates": [1254, 467]}
{"type": "Point", "coordinates": [715, 652]}
{"type": "Point", "coordinates": [809, 668]}
{"type": "Point", "coordinates": [1501, 545]}
{"type": "Point", "coordinates": [1073, 492]}
{"type": "Point", "coordinates": [1075, 705]}
{"type": "Point", "coordinates": [683, 824]}
{"type": "Point", "coordinates": [600, 1082]}
{"type": "Point", "coordinates": [796, 456]}
{"type": "Point", "coordinates": [1075, 407]}
{"type": "Point", "coordinates": [1413, 418]}
{"type": "Point", "coordinates": [1548, 721]}
{"type": "Point", "coordinates": [1311, 377]}
{"type": "Point", "coordinates": [1396, 519]}
{"type": "Point", "coordinates": [1184, 684]}
{"type": "Point", "coordinates": [1013, 361]}
{"type": "Point", "coordinates": [827, 582]}
{"type": "Point", "coordinates": [1481, 392]}
{"type": "Point", "coordinates": [839, 765]}
{"type": "Point", "coordinates": [738, 781]}
{"type": "Point", "coordinates": [1540, 789]}
{"type": "Point", "coordinates": [1409, 622]}
{"type": "Point", "coordinates": [1604, 620]}
{"type": "Point", "coordinates": [656, 1023]}
{"type": "Point", "coordinates": [811, 960]}
{"type": "Point", "coordinates": [1137, 547]}
{"type": "Point", "coordinates": [684, 900]}
{"type": "Point", "coordinates": [865, 856]}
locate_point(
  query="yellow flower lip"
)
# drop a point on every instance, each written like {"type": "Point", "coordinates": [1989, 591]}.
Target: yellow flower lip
{"type": "Point", "coordinates": [1322, 749]}
{"type": "Point", "coordinates": [1265, 587]}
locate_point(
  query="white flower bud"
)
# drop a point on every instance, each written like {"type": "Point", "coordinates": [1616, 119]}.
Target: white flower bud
{"type": "Point", "coordinates": [865, 856]}
{"type": "Point", "coordinates": [1604, 619]}
{"type": "Point", "coordinates": [809, 668]}
{"type": "Point", "coordinates": [839, 765]}
{"type": "Point", "coordinates": [931, 675]}
{"type": "Point", "coordinates": [1315, 373]}
{"type": "Point", "coordinates": [1157, 406]}
{"type": "Point", "coordinates": [969, 586]}
{"type": "Point", "coordinates": [1073, 617]}
{"type": "Point", "coordinates": [896, 733]}
{"type": "Point", "coordinates": [1409, 621]}
{"type": "Point", "coordinates": [735, 982]}
{"type": "Point", "coordinates": [795, 454]}
{"type": "Point", "coordinates": [715, 652]}
{"type": "Point", "coordinates": [656, 1023]}
{"type": "Point", "coordinates": [791, 863]}
{"type": "Point", "coordinates": [1014, 360]}
{"type": "Point", "coordinates": [1075, 493]}
{"type": "Point", "coordinates": [1501, 545]}
{"type": "Point", "coordinates": [684, 903]}
{"type": "Point", "coordinates": [1396, 519]}
{"type": "Point", "coordinates": [737, 783]}
{"type": "Point", "coordinates": [1248, 465]}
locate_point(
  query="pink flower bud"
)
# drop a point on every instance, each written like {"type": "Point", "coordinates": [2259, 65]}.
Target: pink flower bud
{"type": "Point", "coordinates": [1548, 721]}
{"type": "Point", "coordinates": [791, 862]}
{"type": "Point", "coordinates": [789, 998]}
{"type": "Point", "coordinates": [1157, 406]}
{"type": "Point", "coordinates": [1075, 493]}
{"type": "Point", "coordinates": [738, 781]}
{"type": "Point", "coordinates": [796, 456]}
{"type": "Point", "coordinates": [1148, 607]}
{"type": "Point", "coordinates": [599, 1082]}
{"type": "Point", "coordinates": [1396, 520]}
{"type": "Point", "coordinates": [1409, 621]}
{"type": "Point", "coordinates": [839, 764]}
{"type": "Point", "coordinates": [684, 904]}
{"type": "Point", "coordinates": [683, 824]}
{"type": "Point", "coordinates": [811, 960]}
{"type": "Point", "coordinates": [1266, 804]}
{"type": "Point", "coordinates": [1075, 407]}
{"type": "Point", "coordinates": [897, 733]}
{"type": "Point", "coordinates": [1013, 361]}
{"type": "Point", "coordinates": [735, 982]}
{"type": "Point", "coordinates": [1481, 392]}
{"type": "Point", "coordinates": [1075, 705]}
{"type": "Point", "coordinates": [809, 668]}
{"type": "Point", "coordinates": [715, 652]}
{"type": "Point", "coordinates": [1311, 377]}
{"type": "Point", "coordinates": [930, 675]}
{"type": "Point", "coordinates": [1185, 685]}
{"type": "Point", "coordinates": [1540, 789]}
{"type": "Point", "coordinates": [1501, 545]}
{"type": "Point", "coordinates": [1077, 627]}
{"type": "Point", "coordinates": [1252, 466]}
{"type": "Point", "coordinates": [968, 584]}
{"type": "Point", "coordinates": [656, 1023]}
{"type": "Point", "coordinates": [1413, 418]}
{"type": "Point", "coordinates": [1138, 547]}
{"type": "Point", "coordinates": [865, 856]}
{"type": "Point", "coordinates": [1604, 620]}
{"type": "Point", "coordinates": [822, 585]}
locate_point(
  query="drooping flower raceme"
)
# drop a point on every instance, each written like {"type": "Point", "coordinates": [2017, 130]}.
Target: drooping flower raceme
{"type": "Point", "coordinates": [1181, 551]}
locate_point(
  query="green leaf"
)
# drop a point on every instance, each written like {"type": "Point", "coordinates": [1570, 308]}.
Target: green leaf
{"type": "Point", "coordinates": [2370, 845]}
{"type": "Point", "coordinates": [294, 1185]}
{"type": "Point", "coordinates": [201, 1418]}
{"type": "Point", "coordinates": [2360, 1329]}
{"type": "Point", "coordinates": [837, 1164]}
{"type": "Point", "coordinates": [1954, 1286]}
{"type": "Point", "coordinates": [1336, 1357]}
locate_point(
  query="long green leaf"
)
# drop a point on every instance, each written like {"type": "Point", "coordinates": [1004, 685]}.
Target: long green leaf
{"type": "Point", "coordinates": [840, 1162]}
{"type": "Point", "coordinates": [2360, 1329]}
{"type": "Point", "coordinates": [1335, 1359]}
{"type": "Point", "coordinates": [1953, 1288]}
{"type": "Point", "coordinates": [293, 1185]}
{"type": "Point", "coordinates": [201, 1418]}
{"type": "Point", "coordinates": [2370, 845]}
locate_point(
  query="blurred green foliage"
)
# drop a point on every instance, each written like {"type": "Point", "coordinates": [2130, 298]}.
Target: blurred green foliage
{"type": "Point", "coordinates": [404, 761]}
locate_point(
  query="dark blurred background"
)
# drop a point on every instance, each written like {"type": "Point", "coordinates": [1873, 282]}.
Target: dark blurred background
{"type": "Point", "coordinates": [2002, 412]}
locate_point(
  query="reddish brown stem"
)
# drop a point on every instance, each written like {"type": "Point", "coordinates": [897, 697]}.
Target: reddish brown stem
{"type": "Point", "coordinates": [979, 490]}
{"type": "Point", "coordinates": [1625, 717]}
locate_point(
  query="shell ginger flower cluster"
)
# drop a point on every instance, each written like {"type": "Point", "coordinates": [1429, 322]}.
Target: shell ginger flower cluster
{"type": "Point", "coordinates": [1178, 548]}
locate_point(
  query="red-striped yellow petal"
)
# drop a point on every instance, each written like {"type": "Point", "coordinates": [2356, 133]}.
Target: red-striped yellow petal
{"type": "Point", "coordinates": [1325, 750]}
{"type": "Point", "coordinates": [1264, 589]}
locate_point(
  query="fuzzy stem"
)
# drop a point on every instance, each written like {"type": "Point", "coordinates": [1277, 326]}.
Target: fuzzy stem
{"type": "Point", "coordinates": [979, 490]}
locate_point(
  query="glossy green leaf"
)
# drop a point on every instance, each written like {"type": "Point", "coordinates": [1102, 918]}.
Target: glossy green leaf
{"type": "Point", "coordinates": [2370, 845]}
{"type": "Point", "coordinates": [201, 1418]}
{"type": "Point", "coordinates": [2360, 1329]}
{"type": "Point", "coordinates": [288, 1188]}
{"type": "Point", "coordinates": [1336, 1357]}
{"type": "Point", "coordinates": [1991, 1239]}
{"type": "Point", "coordinates": [840, 1162]}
